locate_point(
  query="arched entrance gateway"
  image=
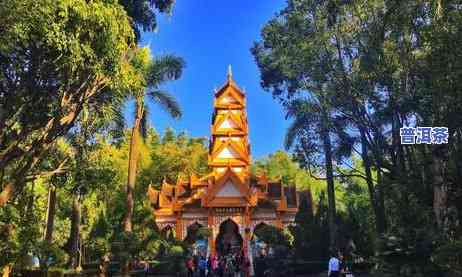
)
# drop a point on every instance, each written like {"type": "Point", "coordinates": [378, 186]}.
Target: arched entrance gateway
{"type": "Point", "coordinates": [228, 240]}
{"type": "Point", "coordinates": [229, 201]}
{"type": "Point", "coordinates": [197, 239]}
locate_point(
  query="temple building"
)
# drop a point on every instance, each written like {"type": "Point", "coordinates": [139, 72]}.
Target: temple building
{"type": "Point", "coordinates": [229, 201]}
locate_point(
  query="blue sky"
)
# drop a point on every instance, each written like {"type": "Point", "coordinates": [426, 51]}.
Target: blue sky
{"type": "Point", "coordinates": [209, 35]}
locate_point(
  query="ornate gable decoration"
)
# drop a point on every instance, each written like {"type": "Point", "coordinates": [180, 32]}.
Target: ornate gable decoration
{"type": "Point", "coordinates": [229, 185]}
{"type": "Point", "coordinates": [229, 149]}
{"type": "Point", "coordinates": [229, 189]}
{"type": "Point", "coordinates": [229, 96]}
{"type": "Point", "coordinates": [229, 123]}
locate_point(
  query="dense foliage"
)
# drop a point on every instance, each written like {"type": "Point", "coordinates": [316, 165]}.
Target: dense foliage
{"type": "Point", "coordinates": [350, 74]}
{"type": "Point", "coordinates": [67, 68]}
{"type": "Point", "coordinates": [102, 203]}
{"type": "Point", "coordinates": [56, 57]}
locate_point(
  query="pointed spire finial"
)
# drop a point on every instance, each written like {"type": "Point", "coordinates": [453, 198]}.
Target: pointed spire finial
{"type": "Point", "coordinates": [230, 72]}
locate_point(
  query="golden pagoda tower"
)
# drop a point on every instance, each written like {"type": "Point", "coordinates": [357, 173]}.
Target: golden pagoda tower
{"type": "Point", "coordinates": [228, 201]}
{"type": "Point", "coordinates": [229, 147]}
{"type": "Point", "coordinates": [229, 153]}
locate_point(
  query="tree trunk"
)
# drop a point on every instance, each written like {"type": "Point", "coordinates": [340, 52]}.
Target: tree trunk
{"type": "Point", "coordinates": [440, 190]}
{"type": "Point", "coordinates": [132, 169]}
{"type": "Point", "coordinates": [75, 232]}
{"type": "Point", "coordinates": [379, 221]}
{"type": "Point", "coordinates": [6, 194]}
{"type": "Point", "coordinates": [377, 153]}
{"type": "Point", "coordinates": [327, 147]}
{"type": "Point", "coordinates": [380, 199]}
{"type": "Point", "coordinates": [396, 151]}
{"type": "Point", "coordinates": [7, 270]}
{"type": "Point", "coordinates": [17, 180]}
{"type": "Point", "coordinates": [51, 210]}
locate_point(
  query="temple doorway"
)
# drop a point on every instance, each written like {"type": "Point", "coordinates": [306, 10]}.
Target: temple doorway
{"type": "Point", "coordinates": [228, 240]}
{"type": "Point", "coordinates": [196, 238]}
{"type": "Point", "coordinates": [168, 232]}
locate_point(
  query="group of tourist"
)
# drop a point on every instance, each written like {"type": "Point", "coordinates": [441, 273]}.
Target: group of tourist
{"type": "Point", "coordinates": [230, 265]}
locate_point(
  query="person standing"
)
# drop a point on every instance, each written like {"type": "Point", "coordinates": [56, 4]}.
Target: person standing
{"type": "Point", "coordinates": [334, 266]}
{"type": "Point", "coordinates": [221, 267]}
{"type": "Point", "coordinates": [145, 265]}
{"type": "Point", "coordinates": [202, 266]}
{"type": "Point", "coordinates": [245, 266]}
{"type": "Point", "coordinates": [214, 265]}
{"type": "Point", "coordinates": [190, 267]}
{"type": "Point", "coordinates": [209, 266]}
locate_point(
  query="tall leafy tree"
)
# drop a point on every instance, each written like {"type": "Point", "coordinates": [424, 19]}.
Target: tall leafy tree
{"type": "Point", "coordinates": [55, 57]}
{"type": "Point", "coordinates": [107, 119]}
{"type": "Point", "coordinates": [297, 72]}
{"type": "Point", "coordinates": [380, 63]}
{"type": "Point", "coordinates": [143, 13]}
{"type": "Point", "coordinates": [316, 132]}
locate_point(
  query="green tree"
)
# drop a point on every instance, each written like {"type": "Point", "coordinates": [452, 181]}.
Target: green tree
{"type": "Point", "coordinates": [154, 73]}
{"type": "Point", "coordinates": [175, 156]}
{"type": "Point", "coordinates": [143, 13]}
{"type": "Point", "coordinates": [87, 177]}
{"type": "Point", "coordinates": [55, 56]}
{"type": "Point", "coordinates": [379, 66]}
{"type": "Point", "coordinates": [309, 104]}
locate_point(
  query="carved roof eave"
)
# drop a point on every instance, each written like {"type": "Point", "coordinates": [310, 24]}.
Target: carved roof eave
{"type": "Point", "coordinates": [204, 181]}
{"type": "Point", "coordinates": [167, 189]}
{"type": "Point", "coordinates": [164, 202]}
{"type": "Point", "coordinates": [227, 202]}
{"type": "Point", "coordinates": [229, 173]}
{"type": "Point", "coordinates": [229, 133]}
{"type": "Point", "coordinates": [153, 195]}
{"type": "Point", "coordinates": [179, 205]}
{"type": "Point", "coordinates": [163, 212]}
{"type": "Point", "coordinates": [217, 142]}
{"type": "Point", "coordinates": [230, 106]}
{"type": "Point", "coordinates": [282, 203]}
{"type": "Point", "coordinates": [228, 163]}
{"type": "Point", "coordinates": [262, 180]}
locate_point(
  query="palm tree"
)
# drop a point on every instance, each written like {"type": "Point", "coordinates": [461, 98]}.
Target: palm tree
{"type": "Point", "coordinates": [158, 71]}
{"type": "Point", "coordinates": [155, 72]}
{"type": "Point", "coordinates": [318, 130]}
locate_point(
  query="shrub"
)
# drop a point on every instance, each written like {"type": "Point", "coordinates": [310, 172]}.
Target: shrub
{"type": "Point", "coordinates": [449, 257]}
{"type": "Point", "coordinates": [49, 254]}
{"type": "Point", "coordinates": [308, 267]}
{"type": "Point", "coordinates": [43, 273]}
{"type": "Point", "coordinates": [407, 254]}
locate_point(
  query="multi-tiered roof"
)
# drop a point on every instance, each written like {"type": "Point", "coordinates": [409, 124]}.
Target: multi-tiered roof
{"type": "Point", "coordinates": [230, 183]}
